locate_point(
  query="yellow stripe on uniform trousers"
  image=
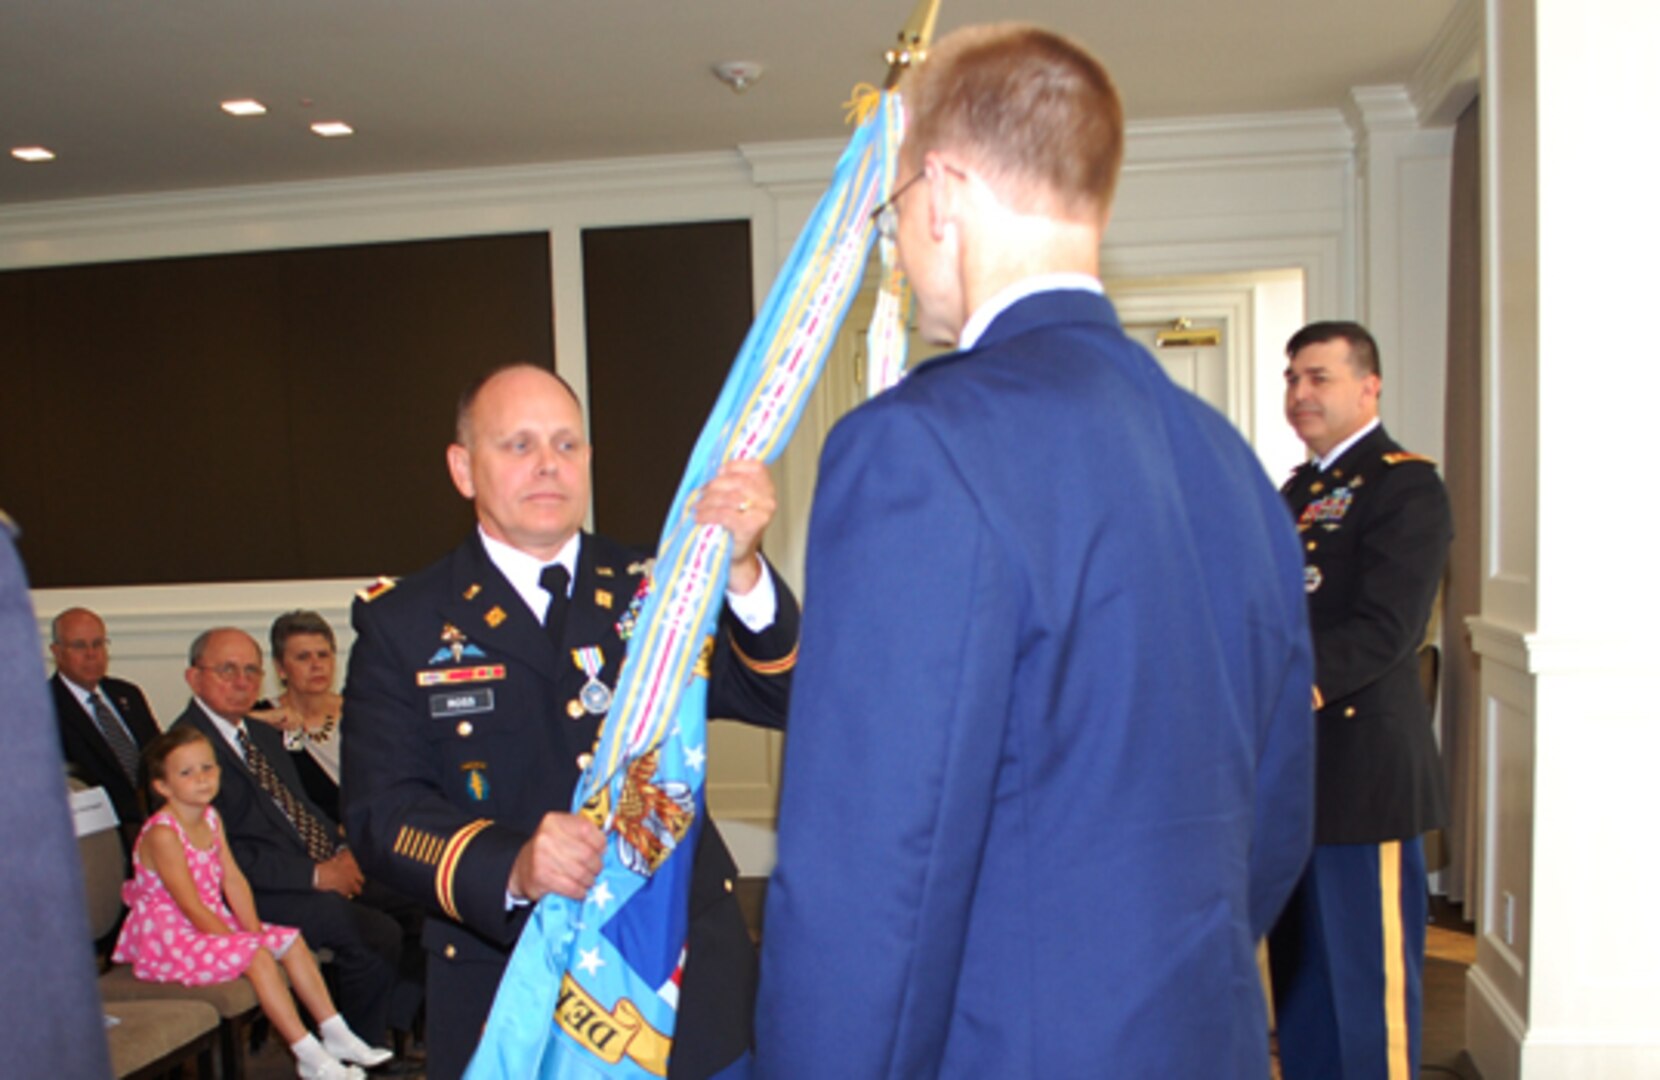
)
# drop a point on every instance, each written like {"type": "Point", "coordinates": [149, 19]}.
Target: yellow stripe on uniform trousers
{"type": "Point", "coordinates": [1346, 962]}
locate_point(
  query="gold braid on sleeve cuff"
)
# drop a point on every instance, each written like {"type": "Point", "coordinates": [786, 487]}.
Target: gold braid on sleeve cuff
{"type": "Point", "coordinates": [444, 879]}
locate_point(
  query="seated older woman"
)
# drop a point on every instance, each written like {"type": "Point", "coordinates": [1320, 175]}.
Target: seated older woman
{"type": "Point", "coordinates": [308, 711]}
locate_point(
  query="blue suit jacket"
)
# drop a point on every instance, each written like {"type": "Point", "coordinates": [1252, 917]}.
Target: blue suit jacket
{"type": "Point", "coordinates": [1049, 771]}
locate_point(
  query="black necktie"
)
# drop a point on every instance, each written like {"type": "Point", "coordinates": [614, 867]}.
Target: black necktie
{"type": "Point", "coordinates": [316, 838]}
{"type": "Point", "coordinates": [556, 580]}
{"type": "Point", "coordinates": [126, 751]}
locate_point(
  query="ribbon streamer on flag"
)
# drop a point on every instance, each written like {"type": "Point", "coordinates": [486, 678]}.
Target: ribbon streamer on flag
{"type": "Point", "coordinates": [591, 990]}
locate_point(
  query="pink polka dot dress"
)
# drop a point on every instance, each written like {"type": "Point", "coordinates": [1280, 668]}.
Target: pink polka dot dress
{"type": "Point", "coordinates": [159, 940]}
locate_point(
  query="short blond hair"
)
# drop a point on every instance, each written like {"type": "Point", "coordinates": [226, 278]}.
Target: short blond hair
{"type": "Point", "coordinates": [1034, 112]}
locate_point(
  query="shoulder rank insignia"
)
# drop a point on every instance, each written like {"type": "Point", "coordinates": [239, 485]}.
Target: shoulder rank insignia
{"type": "Point", "coordinates": [380, 588]}
{"type": "Point", "coordinates": [495, 617]}
{"type": "Point", "coordinates": [1400, 457]}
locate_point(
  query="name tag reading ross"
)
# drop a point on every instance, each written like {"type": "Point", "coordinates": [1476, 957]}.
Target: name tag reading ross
{"type": "Point", "coordinates": [462, 703]}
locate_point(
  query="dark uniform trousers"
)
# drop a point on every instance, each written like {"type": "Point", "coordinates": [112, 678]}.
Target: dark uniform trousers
{"type": "Point", "coordinates": [464, 725]}
{"type": "Point", "coordinates": [1346, 956]}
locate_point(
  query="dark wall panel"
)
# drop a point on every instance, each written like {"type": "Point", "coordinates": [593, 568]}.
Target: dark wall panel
{"type": "Point", "coordinates": [667, 307]}
{"type": "Point", "coordinates": [259, 416]}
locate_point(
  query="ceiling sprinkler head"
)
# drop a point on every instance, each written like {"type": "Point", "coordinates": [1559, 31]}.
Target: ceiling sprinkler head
{"type": "Point", "coordinates": [738, 74]}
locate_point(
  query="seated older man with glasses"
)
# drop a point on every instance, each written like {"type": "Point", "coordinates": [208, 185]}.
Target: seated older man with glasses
{"type": "Point", "coordinates": [290, 850]}
{"type": "Point", "coordinates": [103, 723]}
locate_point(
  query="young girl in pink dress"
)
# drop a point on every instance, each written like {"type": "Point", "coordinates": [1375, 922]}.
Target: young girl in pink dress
{"type": "Point", "coordinates": [193, 919]}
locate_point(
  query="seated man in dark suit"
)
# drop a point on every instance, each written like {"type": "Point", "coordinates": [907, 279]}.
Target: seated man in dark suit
{"type": "Point", "coordinates": [103, 723]}
{"type": "Point", "coordinates": [290, 851]}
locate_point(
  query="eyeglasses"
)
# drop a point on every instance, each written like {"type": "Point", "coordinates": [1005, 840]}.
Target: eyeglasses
{"type": "Point", "coordinates": [100, 644]}
{"type": "Point", "coordinates": [886, 216]}
{"type": "Point", "coordinates": [229, 672]}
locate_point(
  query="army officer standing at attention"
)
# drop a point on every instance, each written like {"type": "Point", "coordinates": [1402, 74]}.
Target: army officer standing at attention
{"type": "Point", "coordinates": [1348, 952]}
{"type": "Point", "coordinates": [476, 692]}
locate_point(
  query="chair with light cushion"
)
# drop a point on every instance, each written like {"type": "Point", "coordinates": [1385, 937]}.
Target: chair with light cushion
{"type": "Point", "coordinates": [105, 866]}
{"type": "Point", "coordinates": [152, 1038]}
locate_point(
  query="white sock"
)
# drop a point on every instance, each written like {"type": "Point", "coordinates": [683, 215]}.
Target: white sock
{"type": "Point", "coordinates": [334, 1029]}
{"type": "Point", "coordinates": [345, 1044]}
{"type": "Point", "coordinates": [309, 1052]}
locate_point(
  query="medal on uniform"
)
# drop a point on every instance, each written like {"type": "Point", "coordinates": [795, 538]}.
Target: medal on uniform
{"type": "Point", "coordinates": [595, 696]}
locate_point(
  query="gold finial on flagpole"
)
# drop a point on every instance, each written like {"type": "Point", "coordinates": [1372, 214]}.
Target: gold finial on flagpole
{"type": "Point", "coordinates": [914, 40]}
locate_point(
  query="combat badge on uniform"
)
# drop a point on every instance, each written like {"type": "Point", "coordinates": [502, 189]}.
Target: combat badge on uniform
{"type": "Point", "coordinates": [456, 645]}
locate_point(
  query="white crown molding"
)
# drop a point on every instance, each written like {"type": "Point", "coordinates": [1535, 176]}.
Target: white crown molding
{"type": "Point", "coordinates": [545, 197]}
{"type": "Point", "coordinates": [1449, 74]}
{"type": "Point", "coordinates": [1148, 145]}
{"type": "Point", "coordinates": [1310, 134]}
{"type": "Point", "coordinates": [1378, 110]}
{"type": "Point", "coordinates": [783, 164]}
{"type": "Point", "coordinates": [359, 210]}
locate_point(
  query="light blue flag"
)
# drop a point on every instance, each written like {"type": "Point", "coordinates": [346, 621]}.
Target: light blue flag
{"type": "Point", "coordinates": [592, 989]}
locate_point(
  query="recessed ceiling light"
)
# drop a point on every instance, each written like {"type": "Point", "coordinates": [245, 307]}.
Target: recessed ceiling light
{"type": "Point", "coordinates": [32, 153]}
{"type": "Point", "coordinates": [331, 129]}
{"type": "Point", "coordinates": [243, 107]}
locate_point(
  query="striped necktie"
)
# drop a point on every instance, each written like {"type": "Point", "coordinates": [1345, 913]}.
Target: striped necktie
{"type": "Point", "coordinates": [318, 844]}
{"type": "Point", "coordinates": [126, 751]}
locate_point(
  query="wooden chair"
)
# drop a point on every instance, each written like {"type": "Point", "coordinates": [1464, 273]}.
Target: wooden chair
{"type": "Point", "coordinates": [152, 1038]}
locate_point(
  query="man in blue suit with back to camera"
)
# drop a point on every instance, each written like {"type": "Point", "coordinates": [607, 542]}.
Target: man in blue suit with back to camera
{"type": "Point", "coordinates": [1050, 763]}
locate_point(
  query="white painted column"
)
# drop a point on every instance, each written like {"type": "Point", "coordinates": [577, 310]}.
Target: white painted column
{"type": "Point", "coordinates": [1404, 172]}
{"type": "Point", "coordinates": [1567, 975]}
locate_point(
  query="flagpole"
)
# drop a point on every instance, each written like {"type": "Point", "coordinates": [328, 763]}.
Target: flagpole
{"type": "Point", "coordinates": [914, 38]}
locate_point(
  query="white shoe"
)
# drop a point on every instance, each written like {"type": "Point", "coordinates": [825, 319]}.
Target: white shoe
{"type": "Point", "coordinates": [354, 1051]}
{"type": "Point", "coordinates": [331, 1070]}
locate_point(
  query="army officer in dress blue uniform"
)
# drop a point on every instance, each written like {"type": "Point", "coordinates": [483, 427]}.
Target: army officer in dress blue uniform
{"type": "Point", "coordinates": [467, 722]}
{"type": "Point", "coordinates": [1348, 953]}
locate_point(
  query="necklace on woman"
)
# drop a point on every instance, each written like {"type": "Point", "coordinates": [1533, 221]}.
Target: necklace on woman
{"type": "Point", "coordinates": [301, 734]}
